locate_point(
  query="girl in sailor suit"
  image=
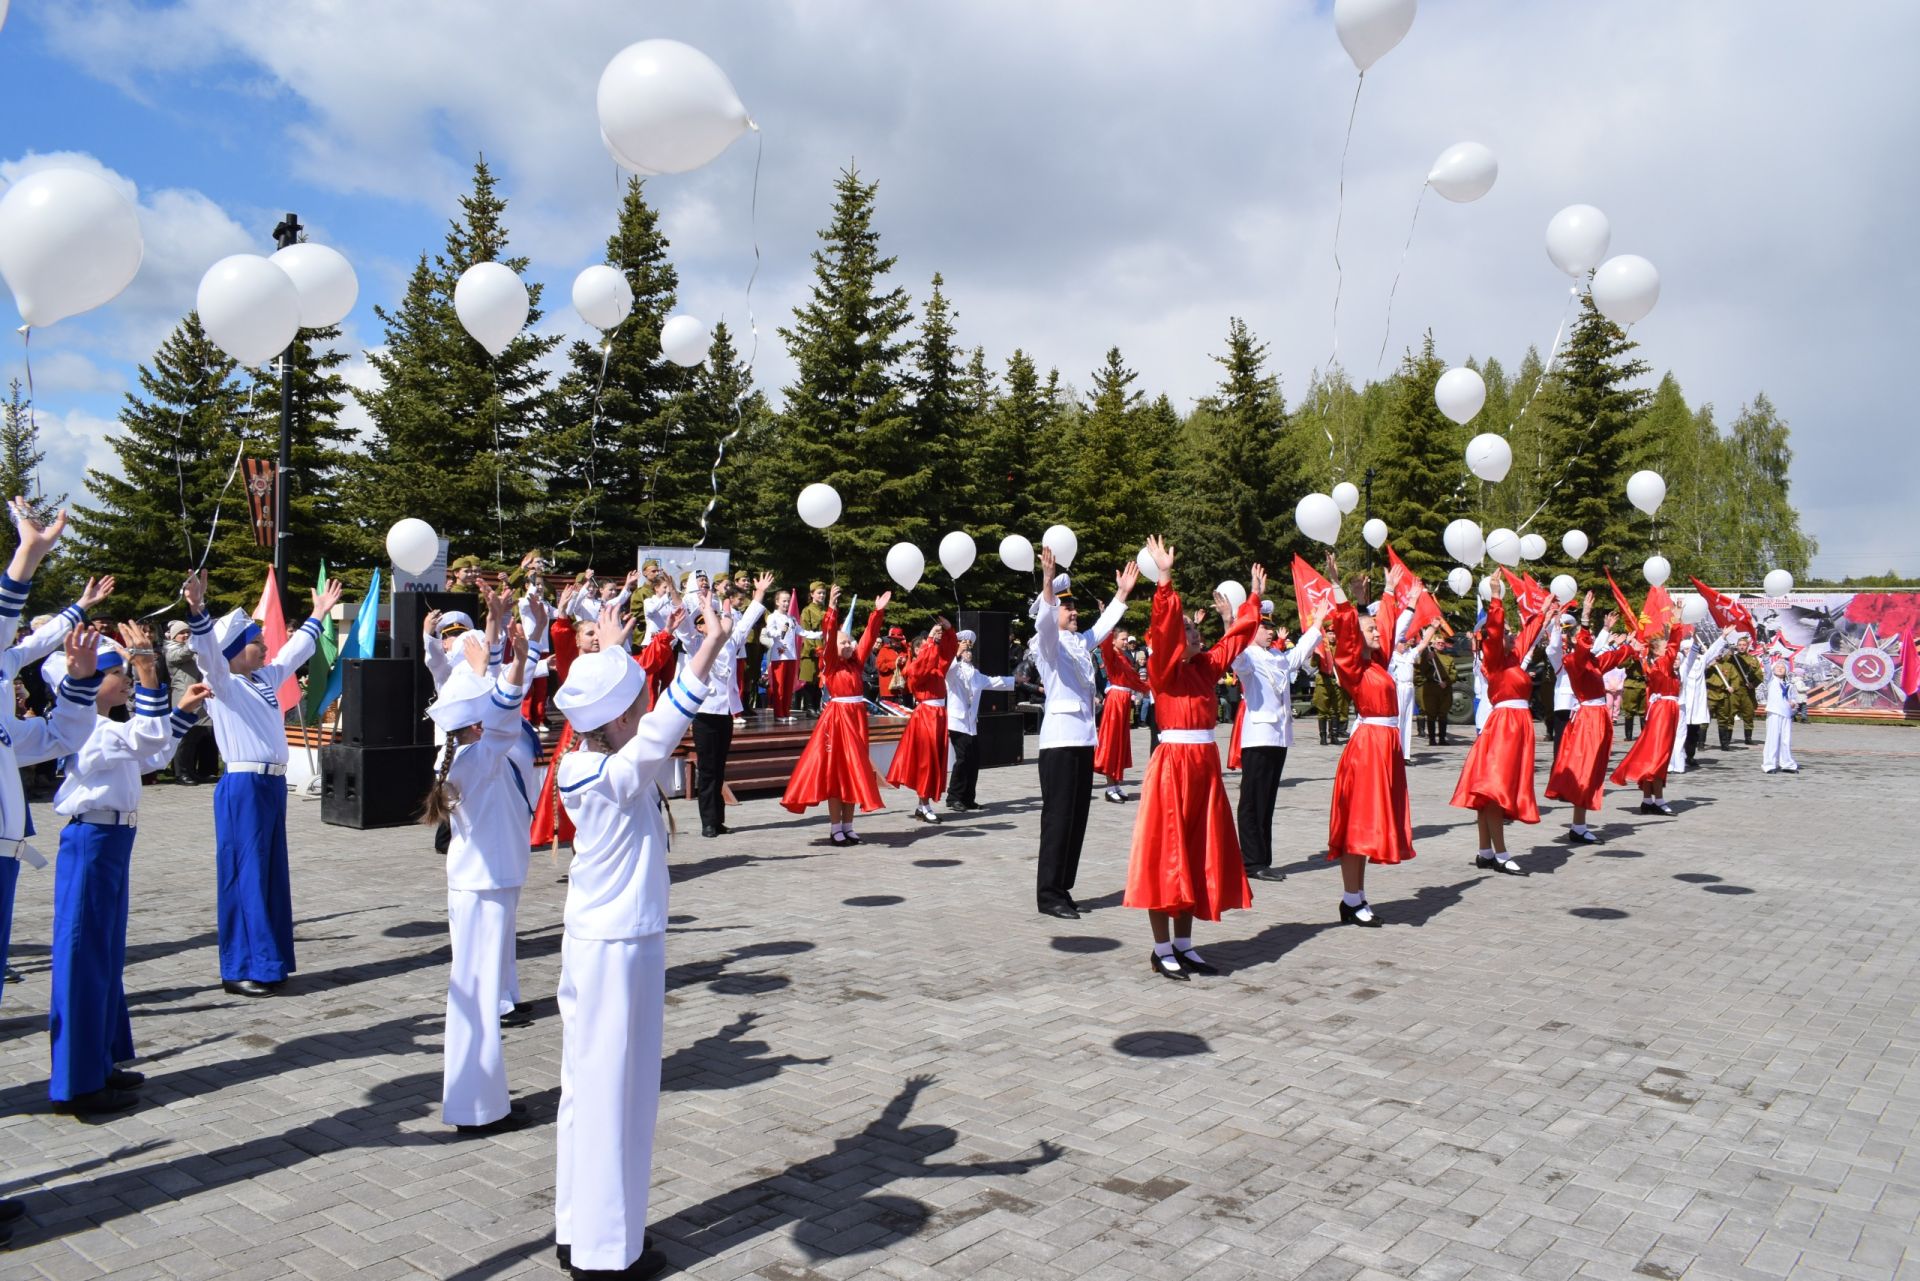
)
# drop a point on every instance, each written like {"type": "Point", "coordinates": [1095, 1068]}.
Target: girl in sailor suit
{"type": "Point", "coordinates": [613, 952]}
{"type": "Point", "coordinates": [484, 793]}
{"type": "Point", "coordinates": [1776, 700]}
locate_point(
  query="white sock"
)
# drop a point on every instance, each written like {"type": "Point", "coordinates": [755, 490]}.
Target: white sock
{"type": "Point", "coordinates": [1487, 853]}
{"type": "Point", "coordinates": [1163, 949]}
{"type": "Point", "coordinates": [1353, 900]}
{"type": "Point", "coordinates": [835, 828]}
{"type": "Point", "coordinates": [1580, 829]}
{"type": "Point", "coordinates": [1183, 945]}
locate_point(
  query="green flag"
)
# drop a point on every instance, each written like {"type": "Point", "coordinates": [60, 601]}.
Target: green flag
{"type": "Point", "coordinates": [320, 666]}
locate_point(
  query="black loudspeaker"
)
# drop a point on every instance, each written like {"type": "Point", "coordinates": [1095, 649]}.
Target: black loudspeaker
{"type": "Point", "coordinates": [993, 655]}
{"type": "Point", "coordinates": [1002, 739]}
{"type": "Point", "coordinates": [380, 702]}
{"type": "Point", "coordinates": [364, 787]}
{"type": "Point", "coordinates": [410, 610]}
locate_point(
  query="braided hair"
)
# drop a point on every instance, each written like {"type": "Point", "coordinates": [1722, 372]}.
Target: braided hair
{"type": "Point", "coordinates": [442, 796]}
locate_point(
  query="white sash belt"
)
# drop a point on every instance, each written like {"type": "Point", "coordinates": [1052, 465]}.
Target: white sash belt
{"type": "Point", "coordinates": [109, 818]}
{"type": "Point", "coordinates": [254, 767]}
{"type": "Point", "coordinates": [1593, 702]}
{"type": "Point", "coordinates": [931, 702]}
{"type": "Point", "coordinates": [1385, 722]}
{"type": "Point", "coordinates": [1520, 703]}
{"type": "Point", "coordinates": [1669, 698]}
{"type": "Point", "coordinates": [1188, 736]}
{"type": "Point", "coordinates": [839, 699]}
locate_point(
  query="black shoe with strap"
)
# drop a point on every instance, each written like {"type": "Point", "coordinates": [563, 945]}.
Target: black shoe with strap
{"type": "Point", "coordinates": [1168, 966]}
{"type": "Point", "coordinates": [1350, 914]}
{"type": "Point", "coordinates": [1190, 961]}
{"type": "Point", "coordinates": [245, 987]}
{"type": "Point", "coordinates": [1504, 866]}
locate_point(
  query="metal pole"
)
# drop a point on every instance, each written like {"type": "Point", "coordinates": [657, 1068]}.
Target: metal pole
{"type": "Point", "coordinates": [1366, 489]}
{"type": "Point", "coordinates": [287, 233]}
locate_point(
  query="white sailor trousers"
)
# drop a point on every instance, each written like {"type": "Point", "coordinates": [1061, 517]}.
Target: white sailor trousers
{"type": "Point", "coordinates": [1779, 752]}
{"type": "Point", "coordinates": [613, 1001]}
{"type": "Point", "coordinates": [481, 926]}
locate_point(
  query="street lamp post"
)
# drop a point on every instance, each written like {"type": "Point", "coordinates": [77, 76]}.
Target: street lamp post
{"type": "Point", "coordinates": [1366, 489]}
{"type": "Point", "coordinates": [287, 233]}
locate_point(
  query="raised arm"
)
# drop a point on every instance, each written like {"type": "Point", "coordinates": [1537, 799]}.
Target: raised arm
{"type": "Point", "coordinates": [876, 621]}
{"type": "Point", "coordinates": [300, 645]}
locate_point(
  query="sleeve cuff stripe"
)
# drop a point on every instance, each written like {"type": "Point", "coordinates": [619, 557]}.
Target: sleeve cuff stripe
{"type": "Point", "coordinates": [80, 691]}
{"type": "Point", "coordinates": [200, 624]}
{"type": "Point", "coordinates": [8, 583]}
{"type": "Point", "coordinates": [680, 696]}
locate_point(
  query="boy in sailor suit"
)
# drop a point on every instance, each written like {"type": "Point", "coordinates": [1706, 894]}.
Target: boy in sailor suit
{"type": "Point", "coordinates": [255, 893]}
{"type": "Point", "coordinates": [614, 952]}
{"type": "Point", "coordinates": [99, 799]}
{"type": "Point", "coordinates": [485, 792]}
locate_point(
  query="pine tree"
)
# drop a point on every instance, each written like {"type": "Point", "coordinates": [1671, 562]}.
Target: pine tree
{"type": "Point", "coordinates": [1232, 472]}
{"type": "Point", "coordinates": [1418, 455]}
{"type": "Point", "coordinates": [1590, 436]}
{"type": "Point", "coordinates": [21, 456]}
{"type": "Point", "coordinates": [722, 406]}
{"type": "Point", "coordinates": [176, 444]}
{"type": "Point", "coordinates": [318, 525]}
{"type": "Point", "coordinates": [1110, 491]}
{"type": "Point", "coordinates": [451, 424]}
{"type": "Point", "coordinates": [941, 414]}
{"type": "Point", "coordinates": [623, 469]}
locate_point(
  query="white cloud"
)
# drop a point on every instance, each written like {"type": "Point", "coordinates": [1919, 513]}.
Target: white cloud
{"type": "Point", "coordinates": [73, 443]}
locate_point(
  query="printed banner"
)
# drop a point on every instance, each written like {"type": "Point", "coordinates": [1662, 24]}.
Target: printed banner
{"type": "Point", "coordinates": [1852, 652]}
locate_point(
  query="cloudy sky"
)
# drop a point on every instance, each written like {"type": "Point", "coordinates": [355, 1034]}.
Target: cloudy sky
{"type": "Point", "coordinates": [1083, 173]}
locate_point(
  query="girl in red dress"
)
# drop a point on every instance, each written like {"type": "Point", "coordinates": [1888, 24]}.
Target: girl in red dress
{"type": "Point", "coordinates": [1370, 820]}
{"type": "Point", "coordinates": [1496, 782]}
{"type": "Point", "coordinates": [1113, 753]}
{"type": "Point", "coordinates": [920, 761]}
{"type": "Point", "coordinates": [835, 767]}
{"type": "Point", "coordinates": [1580, 770]}
{"type": "Point", "coordinates": [1186, 850]}
{"type": "Point", "coordinates": [1646, 761]}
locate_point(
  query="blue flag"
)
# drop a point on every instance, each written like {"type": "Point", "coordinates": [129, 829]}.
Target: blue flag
{"type": "Point", "coordinates": [359, 644]}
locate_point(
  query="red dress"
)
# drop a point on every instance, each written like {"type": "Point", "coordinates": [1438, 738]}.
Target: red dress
{"type": "Point", "coordinates": [1499, 768]}
{"type": "Point", "coordinates": [1580, 770]}
{"type": "Point", "coordinates": [920, 761]}
{"type": "Point", "coordinates": [1113, 753]}
{"type": "Point", "coordinates": [551, 825]}
{"type": "Point", "coordinates": [1186, 851]}
{"type": "Point", "coordinates": [1371, 815]}
{"type": "Point", "coordinates": [835, 765]}
{"type": "Point", "coordinates": [1646, 761]}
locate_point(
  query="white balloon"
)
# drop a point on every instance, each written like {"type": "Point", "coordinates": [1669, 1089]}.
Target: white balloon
{"type": "Point", "coordinates": [1319, 518]}
{"type": "Point", "coordinates": [249, 308]}
{"type": "Point", "coordinates": [819, 504]}
{"type": "Point", "coordinates": [1368, 29]}
{"type": "Point", "coordinates": [665, 107]}
{"type": "Point", "coordinates": [412, 545]}
{"type": "Point", "coordinates": [1646, 491]}
{"type": "Point", "coordinates": [905, 564]}
{"type": "Point", "coordinates": [602, 296]}
{"type": "Point", "coordinates": [1564, 587]}
{"type": "Point", "coordinates": [491, 302]}
{"type": "Point", "coordinates": [1504, 546]}
{"type": "Point", "coordinates": [1346, 496]}
{"type": "Point", "coordinates": [69, 241]}
{"type": "Point", "coordinates": [1489, 456]}
{"type": "Point", "coordinates": [1574, 544]}
{"type": "Point", "coordinates": [1464, 172]}
{"type": "Point", "coordinates": [1236, 593]}
{"type": "Point", "coordinates": [1460, 578]}
{"type": "Point", "coordinates": [1464, 542]}
{"type": "Point", "coordinates": [956, 553]}
{"type": "Point", "coordinates": [1577, 239]}
{"type": "Point", "coordinates": [685, 340]}
{"type": "Point", "coordinates": [1065, 545]}
{"type": "Point", "coordinates": [1625, 288]}
{"type": "Point", "coordinates": [1657, 570]}
{"type": "Point", "coordinates": [1374, 531]}
{"type": "Point", "coordinates": [1460, 393]}
{"type": "Point", "coordinates": [1149, 568]}
{"type": "Point", "coordinates": [1016, 553]}
{"type": "Point", "coordinates": [1486, 587]}
{"type": "Point", "coordinates": [1779, 583]}
{"type": "Point", "coordinates": [1532, 547]}
{"type": "Point", "coordinates": [631, 166]}
{"type": "Point", "coordinates": [1693, 609]}
{"type": "Point", "coordinates": [323, 278]}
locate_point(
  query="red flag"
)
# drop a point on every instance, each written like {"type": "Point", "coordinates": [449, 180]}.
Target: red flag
{"type": "Point", "coordinates": [1657, 612]}
{"type": "Point", "coordinates": [1413, 596]}
{"type": "Point", "coordinates": [1726, 611]}
{"type": "Point", "coordinates": [1311, 590]}
{"type": "Point", "coordinates": [1909, 665]}
{"type": "Point", "coordinates": [1530, 596]}
{"type": "Point", "coordinates": [273, 631]}
{"type": "Point", "coordinates": [1624, 605]}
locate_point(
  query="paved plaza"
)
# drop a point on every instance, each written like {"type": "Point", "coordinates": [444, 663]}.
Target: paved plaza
{"type": "Point", "coordinates": [1689, 1052]}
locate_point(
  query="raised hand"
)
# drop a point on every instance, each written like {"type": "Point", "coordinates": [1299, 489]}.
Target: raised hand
{"type": "Point", "coordinates": [474, 650]}
{"type": "Point", "coordinates": [194, 590]}
{"type": "Point", "coordinates": [97, 590]}
{"type": "Point", "coordinates": [195, 698]}
{"type": "Point", "coordinates": [1128, 575]}
{"type": "Point", "coordinates": [136, 637]}
{"type": "Point", "coordinates": [881, 601]}
{"type": "Point", "coordinates": [1161, 552]}
{"type": "Point", "coordinates": [833, 597]}
{"type": "Point", "coordinates": [1395, 575]}
{"type": "Point", "coordinates": [761, 583]}
{"type": "Point", "coordinates": [431, 627]}
{"type": "Point", "coordinates": [1047, 562]}
{"type": "Point", "coordinates": [36, 539]}
{"type": "Point", "coordinates": [325, 599]}
{"type": "Point", "coordinates": [615, 627]}
{"type": "Point", "coordinates": [1257, 581]}
{"type": "Point", "coordinates": [83, 652]}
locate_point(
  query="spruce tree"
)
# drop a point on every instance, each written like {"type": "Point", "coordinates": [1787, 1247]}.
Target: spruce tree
{"type": "Point", "coordinates": [1232, 474]}
{"type": "Point", "coordinates": [450, 423]}
{"type": "Point", "coordinates": [318, 522]}
{"type": "Point", "coordinates": [21, 456]}
{"type": "Point", "coordinates": [720, 406]}
{"type": "Point", "coordinates": [941, 416]}
{"type": "Point", "coordinates": [1589, 428]}
{"type": "Point", "coordinates": [1110, 489]}
{"type": "Point", "coordinates": [1418, 455]}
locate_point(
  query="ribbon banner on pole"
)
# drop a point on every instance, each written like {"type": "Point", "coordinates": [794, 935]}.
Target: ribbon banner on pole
{"type": "Point", "coordinates": [261, 474]}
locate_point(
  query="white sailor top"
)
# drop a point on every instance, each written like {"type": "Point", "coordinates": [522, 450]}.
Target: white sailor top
{"type": "Point", "coordinates": [1065, 663]}
{"type": "Point", "coordinates": [39, 738]}
{"type": "Point", "coordinates": [781, 635]}
{"type": "Point", "coordinates": [495, 787]}
{"type": "Point", "coordinates": [1266, 690]}
{"type": "Point", "coordinates": [964, 686]}
{"type": "Point", "coordinates": [248, 721]}
{"type": "Point", "coordinates": [723, 698]}
{"type": "Point", "coordinates": [105, 773]}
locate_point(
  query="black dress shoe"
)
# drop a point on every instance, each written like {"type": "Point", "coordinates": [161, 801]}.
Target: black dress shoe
{"type": "Point", "coordinates": [851, 838]}
{"type": "Point", "coordinates": [1506, 867]}
{"type": "Point", "coordinates": [1191, 962]}
{"type": "Point", "coordinates": [839, 838]}
{"type": "Point", "coordinates": [1168, 966]}
{"type": "Point", "coordinates": [15, 976]}
{"type": "Point", "coordinates": [564, 1253]}
{"type": "Point", "coordinates": [1587, 837]}
{"type": "Point", "coordinates": [505, 1125]}
{"type": "Point", "coordinates": [1267, 874]}
{"type": "Point", "coordinates": [98, 1102]}
{"type": "Point", "coordinates": [651, 1263]}
{"type": "Point", "coordinates": [516, 1017]}
{"type": "Point", "coordinates": [11, 1209]}
{"type": "Point", "coordinates": [1061, 910]}
{"type": "Point", "coordinates": [125, 1079]}
{"type": "Point", "coordinates": [245, 987]}
{"type": "Point", "coordinates": [709, 831]}
{"type": "Point", "coordinates": [1350, 915]}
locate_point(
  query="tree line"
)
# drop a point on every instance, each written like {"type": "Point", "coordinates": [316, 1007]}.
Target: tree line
{"type": "Point", "coordinates": [920, 432]}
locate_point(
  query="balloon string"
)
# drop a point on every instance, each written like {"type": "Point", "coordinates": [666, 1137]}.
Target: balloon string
{"type": "Point", "coordinates": [1585, 436]}
{"type": "Point", "coordinates": [1553, 355]}
{"type": "Point", "coordinates": [1378, 360]}
{"type": "Point", "coordinates": [593, 450]}
{"type": "Point", "coordinates": [1339, 217]}
{"type": "Point", "coordinates": [753, 347]}
{"type": "Point", "coordinates": [499, 507]}
{"type": "Point", "coordinates": [219, 503]}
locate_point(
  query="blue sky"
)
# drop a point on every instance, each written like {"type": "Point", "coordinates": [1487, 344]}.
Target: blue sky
{"type": "Point", "coordinates": [1083, 174]}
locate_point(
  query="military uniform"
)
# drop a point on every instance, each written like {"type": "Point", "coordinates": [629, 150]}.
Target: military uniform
{"type": "Point", "coordinates": [1330, 702]}
{"type": "Point", "coordinates": [1433, 688]}
{"type": "Point", "coordinates": [1754, 675]}
{"type": "Point", "coordinates": [812, 617]}
{"type": "Point", "coordinates": [1730, 686]}
{"type": "Point", "coordinates": [1633, 695]}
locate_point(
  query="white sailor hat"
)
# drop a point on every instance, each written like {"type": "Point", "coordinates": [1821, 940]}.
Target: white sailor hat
{"type": "Point", "coordinates": [454, 618]}
{"type": "Point", "coordinates": [965, 636]}
{"type": "Point", "coordinates": [1062, 590]}
{"type": "Point", "coordinates": [235, 632]}
{"type": "Point", "coordinates": [1266, 609]}
{"type": "Point", "coordinates": [463, 700]}
{"type": "Point", "coordinates": [599, 688]}
{"type": "Point", "coordinates": [1373, 609]}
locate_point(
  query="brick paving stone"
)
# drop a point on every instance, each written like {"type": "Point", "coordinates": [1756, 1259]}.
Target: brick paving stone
{"type": "Point", "coordinates": [1690, 1052]}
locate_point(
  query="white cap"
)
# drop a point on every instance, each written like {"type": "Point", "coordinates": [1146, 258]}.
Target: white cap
{"type": "Point", "coordinates": [454, 618]}
{"type": "Point", "coordinates": [965, 636]}
{"type": "Point", "coordinates": [1373, 609]}
{"type": "Point", "coordinates": [1266, 609]}
{"type": "Point", "coordinates": [599, 688]}
{"type": "Point", "coordinates": [463, 700]}
{"type": "Point", "coordinates": [231, 632]}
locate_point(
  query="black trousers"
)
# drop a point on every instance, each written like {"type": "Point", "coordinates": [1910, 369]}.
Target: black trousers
{"type": "Point", "coordinates": [712, 740]}
{"type": "Point", "coordinates": [966, 768]}
{"type": "Point", "coordinates": [197, 759]}
{"type": "Point", "coordinates": [1557, 724]}
{"type": "Point", "coordinates": [1260, 769]}
{"type": "Point", "coordinates": [1066, 792]}
{"type": "Point", "coordinates": [1696, 735]}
